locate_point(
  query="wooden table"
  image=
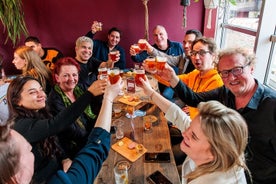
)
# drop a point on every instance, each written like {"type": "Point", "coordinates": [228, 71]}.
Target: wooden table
{"type": "Point", "coordinates": [156, 141]}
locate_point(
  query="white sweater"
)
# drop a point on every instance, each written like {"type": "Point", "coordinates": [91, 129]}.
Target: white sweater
{"type": "Point", "coordinates": [234, 176]}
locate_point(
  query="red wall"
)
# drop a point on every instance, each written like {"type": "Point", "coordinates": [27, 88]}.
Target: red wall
{"type": "Point", "coordinates": [59, 23]}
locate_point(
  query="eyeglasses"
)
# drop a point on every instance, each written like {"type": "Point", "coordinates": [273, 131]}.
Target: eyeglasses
{"type": "Point", "coordinates": [200, 52]}
{"type": "Point", "coordinates": [235, 71]}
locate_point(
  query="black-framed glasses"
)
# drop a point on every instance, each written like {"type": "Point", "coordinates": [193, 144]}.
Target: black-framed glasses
{"type": "Point", "coordinates": [200, 52]}
{"type": "Point", "coordinates": [235, 71]}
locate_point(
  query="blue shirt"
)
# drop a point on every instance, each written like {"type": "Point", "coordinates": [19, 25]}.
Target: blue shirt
{"type": "Point", "coordinates": [174, 49]}
{"type": "Point", "coordinates": [88, 161]}
{"type": "Point", "coordinates": [101, 50]}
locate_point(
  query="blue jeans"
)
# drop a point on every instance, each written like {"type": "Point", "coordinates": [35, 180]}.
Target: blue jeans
{"type": "Point", "coordinates": [168, 93]}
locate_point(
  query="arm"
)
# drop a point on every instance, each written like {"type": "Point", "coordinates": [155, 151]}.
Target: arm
{"type": "Point", "coordinates": [122, 62]}
{"type": "Point", "coordinates": [192, 98]}
{"type": "Point", "coordinates": [140, 57]}
{"type": "Point", "coordinates": [171, 60]}
{"type": "Point", "coordinates": [89, 160]}
{"type": "Point", "coordinates": [172, 112]}
{"type": "Point", "coordinates": [37, 129]}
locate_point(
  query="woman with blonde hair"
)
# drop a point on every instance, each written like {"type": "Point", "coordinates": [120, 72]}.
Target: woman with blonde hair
{"type": "Point", "coordinates": [29, 62]}
{"type": "Point", "coordinates": [214, 141]}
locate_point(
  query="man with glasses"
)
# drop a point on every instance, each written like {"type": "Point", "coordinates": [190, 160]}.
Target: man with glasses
{"type": "Point", "coordinates": [254, 101]}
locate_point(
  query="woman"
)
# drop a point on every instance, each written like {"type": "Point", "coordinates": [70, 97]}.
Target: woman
{"type": "Point", "coordinates": [28, 61]}
{"type": "Point", "coordinates": [214, 141]}
{"type": "Point", "coordinates": [17, 160]}
{"type": "Point", "coordinates": [27, 108]}
{"type": "Point", "coordinates": [204, 58]}
{"type": "Point", "coordinates": [64, 93]}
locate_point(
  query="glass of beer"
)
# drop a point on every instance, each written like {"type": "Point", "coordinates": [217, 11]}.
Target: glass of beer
{"type": "Point", "coordinates": [142, 44]}
{"type": "Point", "coordinates": [121, 173]}
{"type": "Point", "coordinates": [151, 63]}
{"type": "Point", "coordinates": [102, 73]}
{"type": "Point", "coordinates": [113, 54]}
{"type": "Point", "coordinates": [114, 75]}
{"type": "Point", "coordinates": [99, 26]}
{"type": "Point", "coordinates": [136, 48]}
{"type": "Point", "coordinates": [139, 73]}
{"type": "Point", "coordinates": [160, 63]}
{"type": "Point", "coordinates": [147, 124]}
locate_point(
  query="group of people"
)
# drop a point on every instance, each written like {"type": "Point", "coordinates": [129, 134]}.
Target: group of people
{"type": "Point", "coordinates": [60, 112]}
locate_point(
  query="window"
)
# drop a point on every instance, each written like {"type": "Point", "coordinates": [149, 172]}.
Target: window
{"type": "Point", "coordinates": [251, 24]}
{"type": "Point", "coordinates": [238, 23]}
{"type": "Point", "coordinates": [270, 78]}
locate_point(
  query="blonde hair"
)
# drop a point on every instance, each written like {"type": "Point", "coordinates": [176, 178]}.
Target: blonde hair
{"type": "Point", "coordinates": [248, 56]}
{"type": "Point", "coordinates": [34, 67]}
{"type": "Point", "coordinates": [227, 133]}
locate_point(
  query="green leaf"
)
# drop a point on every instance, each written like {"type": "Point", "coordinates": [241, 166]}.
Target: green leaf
{"type": "Point", "coordinates": [12, 18]}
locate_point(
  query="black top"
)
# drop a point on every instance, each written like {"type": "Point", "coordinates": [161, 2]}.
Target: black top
{"type": "Point", "coordinates": [74, 136]}
{"type": "Point", "coordinates": [36, 131]}
{"type": "Point", "coordinates": [88, 73]}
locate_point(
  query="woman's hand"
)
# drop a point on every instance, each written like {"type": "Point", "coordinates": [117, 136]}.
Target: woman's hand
{"type": "Point", "coordinates": [98, 87]}
{"type": "Point", "coordinates": [66, 164]}
{"type": "Point", "coordinates": [112, 91]}
{"type": "Point", "coordinates": [146, 86]}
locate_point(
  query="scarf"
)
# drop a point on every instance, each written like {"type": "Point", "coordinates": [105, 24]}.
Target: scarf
{"type": "Point", "coordinates": [77, 92]}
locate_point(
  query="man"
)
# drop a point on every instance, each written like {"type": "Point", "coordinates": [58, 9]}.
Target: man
{"type": "Point", "coordinates": [48, 55]}
{"type": "Point", "coordinates": [101, 49]}
{"type": "Point", "coordinates": [183, 61]}
{"type": "Point", "coordinates": [185, 64]}
{"type": "Point", "coordinates": [254, 101]}
{"type": "Point", "coordinates": [89, 66]}
{"type": "Point", "coordinates": [163, 44]}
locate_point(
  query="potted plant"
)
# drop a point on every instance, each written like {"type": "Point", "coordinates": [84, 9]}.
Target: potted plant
{"type": "Point", "coordinates": [12, 18]}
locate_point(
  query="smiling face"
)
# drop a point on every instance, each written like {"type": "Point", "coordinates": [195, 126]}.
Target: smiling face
{"type": "Point", "coordinates": [114, 38]}
{"type": "Point", "coordinates": [83, 51]}
{"type": "Point", "coordinates": [188, 42]}
{"type": "Point", "coordinates": [32, 96]}
{"type": "Point", "coordinates": [67, 78]}
{"type": "Point", "coordinates": [18, 62]}
{"type": "Point", "coordinates": [160, 37]}
{"type": "Point", "coordinates": [241, 84]}
{"type": "Point", "coordinates": [195, 144]}
{"type": "Point", "coordinates": [205, 62]}
{"type": "Point", "coordinates": [26, 158]}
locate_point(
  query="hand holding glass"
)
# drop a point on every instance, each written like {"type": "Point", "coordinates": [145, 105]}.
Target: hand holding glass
{"type": "Point", "coordinates": [160, 63]}
{"type": "Point", "coordinates": [113, 55]}
{"type": "Point", "coordinates": [114, 75]}
{"type": "Point", "coordinates": [151, 64]}
{"type": "Point", "coordinates": [102, 73]}
{"type": "Point", "coordinates": [139, 73]}
{"type": "Point", "coordinates": [142, 44]}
